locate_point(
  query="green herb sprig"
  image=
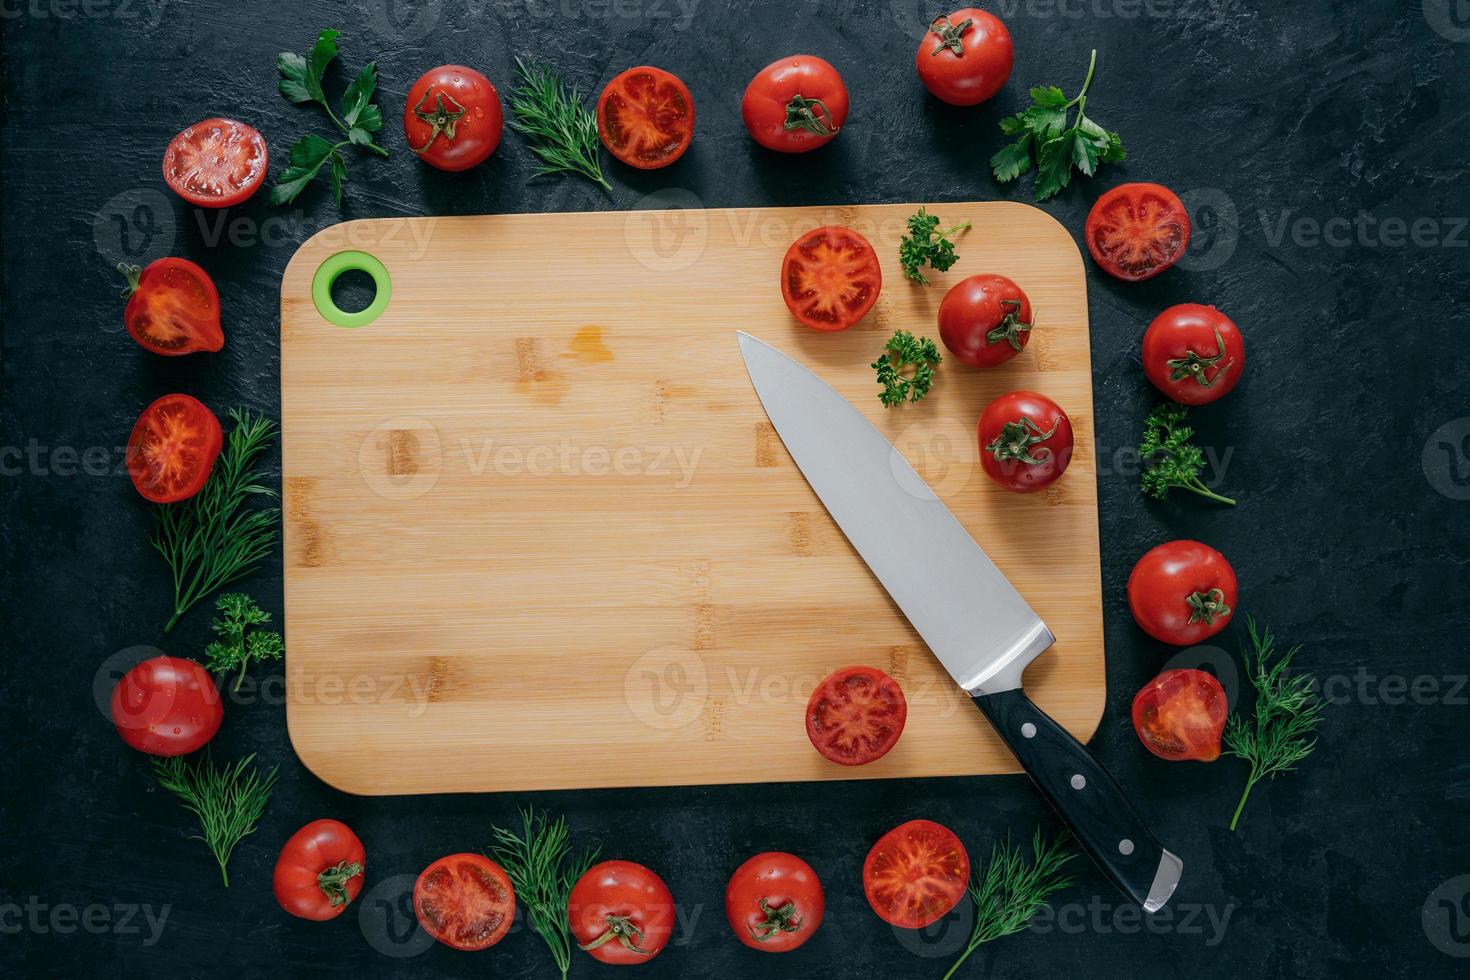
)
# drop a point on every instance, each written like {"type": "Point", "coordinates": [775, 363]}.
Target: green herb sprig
{"type": "Point", "coordinates": [561, 130]}
{"type": "Point", "coordinates": [906, 368]}
{"type": "Point", "coordinates": [541, 868]}
{"type": "Point", "coordinates": [926, 243]}
{"type": "Point", "coordinates": [1057, 147]}
{"type": "Point", "coordinates": [1288, 711]}
{"type": "Point", "coordinates": [301, 81]}
{"type": "Point", "coordinates": [1169, 458]}
{"type": "Point", "coordinates": [228, 801]}
{"type": "Point", "coordinates": [212, 539]}
{"type": "Point", "coordinates": [1009, 891]}
{"type": "Point", "coordinates": [239, 643]}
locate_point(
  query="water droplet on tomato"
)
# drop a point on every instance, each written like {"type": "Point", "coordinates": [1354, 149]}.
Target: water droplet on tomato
{"type": "Point", "coordinates": [177, 730]}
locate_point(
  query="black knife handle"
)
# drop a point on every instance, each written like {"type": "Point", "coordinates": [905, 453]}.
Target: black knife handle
{"type": "Point", "coordinates": [1087, 797]}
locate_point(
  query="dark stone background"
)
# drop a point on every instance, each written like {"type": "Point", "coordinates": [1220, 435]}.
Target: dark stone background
{"type": "Point", "coordinates": [1348, 537]}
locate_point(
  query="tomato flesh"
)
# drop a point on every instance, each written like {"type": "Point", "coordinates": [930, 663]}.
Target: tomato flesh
{"type": "Point", "coordinates": [173, 308]}
{"type": "Point", "coordinates": [645, 117]}
{"type": "Point", "coordinates": [172, 448]}
{"type": "Point", "coordinates": [216, 163]}
{"type": "Point", "coordinates": [915, 874]}
{"type": "Point", "coordinates": [1180, 715]}
{"type": "Point", "coordinates": [856, 715]}
{"type": "Point", "coordinates": [465, 901]}
{"type": "Point", "coordinates": [1136, 231]}
{"type": "Point", "coordinates": [830, 278]}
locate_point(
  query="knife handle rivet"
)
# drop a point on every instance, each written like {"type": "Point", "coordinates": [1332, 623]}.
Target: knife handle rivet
{"type": "Point", "coordinates": [1028, 730]}
{"type": "Point", "coordinates": [1125, 846]}
{"type": "Point", "coordinates": [1079, 781]}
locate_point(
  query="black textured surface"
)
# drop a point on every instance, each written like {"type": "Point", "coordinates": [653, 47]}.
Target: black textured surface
{"type": "Point", "coordinates": [1348, 537]}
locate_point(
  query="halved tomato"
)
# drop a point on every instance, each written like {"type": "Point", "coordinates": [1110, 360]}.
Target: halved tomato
{"type": "Point", "coordinates": [856, 715]}
{"type": "Point", "coordinates": [465, 901]}
{"type": "Point", "coordinates": [645, 117]}
{"type": "Point", "coordinates": [830, 278]}
{"type": "Point", "coordinates": [173, 307]}
{"type": "Point", "coordinates": [1180, 714]}
{"type": "Point", "coordinates": [1136, 231]}
{"type": "Point", "coordinates": [172, 448]}
{"type": "Point", "coordinates": [216, 163]}
{"type": "Point", "coordinates": [915, 874]}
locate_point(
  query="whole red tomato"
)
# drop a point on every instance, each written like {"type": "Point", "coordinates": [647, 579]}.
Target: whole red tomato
{"type": "Point", "coordinates": [795, 104]}
{"type": "Point", "coordinates": [320, 870]}
{"type": "Point", "coordinates": [167, 706]}
{"type": "Point", "coordinates": [1193, 353]}
{"type": "Point", "coordinates": [466, 901]}
{"type": "Point", "coordinates": [1180, 715]}
{"type": "Point", "coordinates": [966, 57]}
{"type": "Point", "coordinates": [621, 912]}
{"type": "Point", "coordinates": [1136, 231]}
{"type": "Point", "coordinates": [774, 902]}
{"type": "Point", "coordinates": [1025, 441]}
{"type": "Point", "coordinates": [1182, 592]}
{"type": "Point", "coordinates": [452, 117]}
{"type": "Point", "coordinates": [173, 307]}
{"type": "Point", "coordinates": [985, 320]}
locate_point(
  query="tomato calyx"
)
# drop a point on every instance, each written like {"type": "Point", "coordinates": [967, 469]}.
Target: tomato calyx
{"type": "Point", "coordinates": [134, 276]}
{"type": "Point", "coordinates": [1010, 327]}
{"type": "Point", "coordinates": [333, 881]}
{"type": "Point", "coordinates": [1193, 365]}
{"type": "Point", "coordinates": [800, 115]}
{"type": "Point", "coordinates": [1016, 439]}
{"type": "Point", "coordinates": [950, 34]}
{"type": "Point", "coordinates": [1206, 606]}
{"type": "Point", "coordinates": [777, 920]}
{"type": "Point", "coordinates": [621, 928]}
{"type": "Point", "coordinates": [441, 120]}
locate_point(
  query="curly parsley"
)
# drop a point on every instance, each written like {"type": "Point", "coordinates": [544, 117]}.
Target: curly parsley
{"type": "Point", "coordinates": [1170, 459]}
{"type": "Point", "coordinates": [926, 243]}
{"type": "Point", "coordinates": [239, 643]}
{"type": "Point", "coordinates": [906, 368]}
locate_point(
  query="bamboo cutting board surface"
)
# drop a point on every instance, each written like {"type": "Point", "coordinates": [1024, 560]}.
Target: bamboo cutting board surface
{"type": "Point", "coordinates": [539, 533]}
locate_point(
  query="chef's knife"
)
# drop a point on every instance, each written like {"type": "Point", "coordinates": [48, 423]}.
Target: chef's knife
{"type": "Point", "coordinates": [973, 619]}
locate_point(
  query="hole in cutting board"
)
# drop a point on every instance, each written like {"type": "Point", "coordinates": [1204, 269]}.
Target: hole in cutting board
{"type": "Point", "coordinates": [351, 289]}
{"type": "Point", "coordinates": [354, 290]}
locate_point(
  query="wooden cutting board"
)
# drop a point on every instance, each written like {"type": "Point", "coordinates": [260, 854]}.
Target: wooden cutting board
{"type": "Point", "coordinates": [540, 535]}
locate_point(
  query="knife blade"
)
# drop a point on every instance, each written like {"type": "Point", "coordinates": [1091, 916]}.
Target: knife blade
{"type": "Point", "coordinates": [968, 613]}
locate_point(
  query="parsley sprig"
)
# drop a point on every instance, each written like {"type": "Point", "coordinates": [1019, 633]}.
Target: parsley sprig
{"type": "Point", "coordinates": [301, 81]}
{"type": "Point", "coordinates": [1288, 711]}
{"type": "Point", "coordinates": [1008, 892]}
{"type": "Point", "coordinates": [906, 368]}
{"type": "Point", "coordinates": [1056, 146]}
{"type": "Point", "coordinates": [1170, 459]}
{"type": "Point", "coordinates": [541, 868]}
{"type": "Point", "coordinates": [926, 243]}
{"type": "Point", "coordinates": [239, 643]}
{"type": "Point", "coordinates": [228, 801]}
{"type": "Point", "coordinates": [562, 131]}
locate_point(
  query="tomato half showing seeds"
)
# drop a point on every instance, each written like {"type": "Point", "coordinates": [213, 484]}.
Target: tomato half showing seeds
{"type": "Point", "coordinates": [830, 278]}
{"type": "Point", "coordinates": [320, 870]}
{"type": "Point", "coordinates": [621, 912]}
{"type": "Point", "coordinates": [173, 307]}
{"type": "Point", "coordinates": [774, 902]}
{"type": "Point", "coordinates": [1136, 231]}
{"type": "Point", "coordinates": [167, 706]}
{"type": "Point", "coordinates": [965, 58]}
{"type": "Point", "coordinates": [795, 104]}
{"type": "Point", "coordinates": [1193, 353]}
{"type": "Point", "coordinates": [856, 715]}
{"type": "Point", "coordinates": [216, 163]}
{"type": "Point", "coordinates": [1182, 592]}
{"type": "Point", "coordinates": [915, 874]}
{"type": "Point", "coordinates": [1180, 714]}
{"type": "Point", "coordinates": [645, 117]}
{"type": "Point", "coordinates": [465, 901]}
{"type": "Point", "coordinates": [985, 320]}
{"type": "Point", "coordinates": [172, 448]}
{"type": "Point", "coordinates": [452, 118]}
{"type": "Point", "coordinates": [1025, 441]}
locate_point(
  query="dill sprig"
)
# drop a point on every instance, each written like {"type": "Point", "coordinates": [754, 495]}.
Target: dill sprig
{"type": "Point", "coordinates": [1170, 459]}
{"type": "Point", "coordinates": [1288, 711]}
{"type": "Point", "coordinates": [212, 539]}
{"type": "Point", "coordinates": [1008, 892]}
{"type": "Point", "coordinates": [562, 131]}
{"type": "Point", "coordinates": [228, 801]}
{"type": "Point", "coordinates": [537, 862]}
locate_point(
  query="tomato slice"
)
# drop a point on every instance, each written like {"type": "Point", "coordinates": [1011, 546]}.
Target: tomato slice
{"type": "Point", "coordinates": [915, 874]}
{"type": "Point", "coordinates": [1180, 715]}
{"type": "Point", "coordinates": [172, 448]}
{"type": "Point", "coordinates": [465, 901]}
{"type": "Point", "coordinates": [1136, 231]}
{"type": "Point", "coordinates": [173, 308]}
{"type": "Point", "coordinates": [645, 117]}
{"type": "Point", "coordinates": [216, 163]}
{"type": "Point", "coordinates": [830, 278]}
{"type": "Point", "coordinates": [856, 715]}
